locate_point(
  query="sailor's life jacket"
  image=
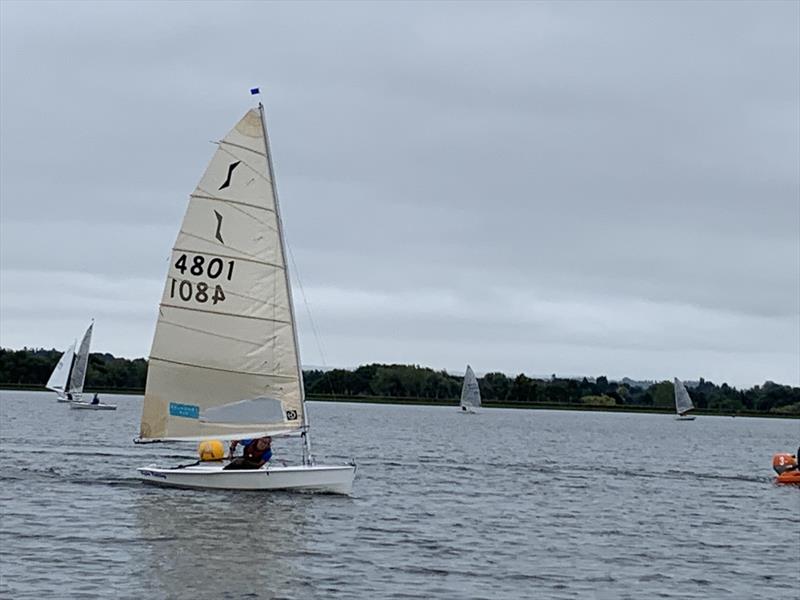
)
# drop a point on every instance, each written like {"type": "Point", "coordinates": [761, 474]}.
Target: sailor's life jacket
{"type": "Point", "coordinates": [251, 453]}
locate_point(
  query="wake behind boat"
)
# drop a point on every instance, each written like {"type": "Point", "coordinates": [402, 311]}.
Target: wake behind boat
{"type": "Point", "coordinates": [225, 362]}
{"type": "Point", "coordinates": [683, 402]}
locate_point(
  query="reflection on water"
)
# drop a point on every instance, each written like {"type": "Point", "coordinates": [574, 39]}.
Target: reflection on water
{"type": "Point", "coordinates": [255, 539]}
{"type": "Point", "coordinates": [502, 505]}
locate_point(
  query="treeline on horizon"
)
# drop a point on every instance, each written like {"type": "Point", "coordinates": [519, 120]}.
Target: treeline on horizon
{"type": "Point", "coordinates": [32, 367]}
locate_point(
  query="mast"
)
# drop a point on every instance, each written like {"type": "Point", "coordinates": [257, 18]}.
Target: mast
{"type": "Point", "coordinates": [307, 457]}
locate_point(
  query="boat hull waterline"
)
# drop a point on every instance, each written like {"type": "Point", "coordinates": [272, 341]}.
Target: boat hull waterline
{"type": "Point", "coordinates": [685, 418]}
{"type": "Point", "coordinates": [789, 477]}
{"type": "Point", "coordinates": [336, 479]}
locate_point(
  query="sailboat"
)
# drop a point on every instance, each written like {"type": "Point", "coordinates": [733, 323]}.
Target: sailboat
{"type": "Point", "coordinates": [470, 392]}
{"type": "Point", "coordinates": [69, 375]}
{"type": "Point", "coordinates": [92, 406]}
{"type": "Point", "coordinates": [225, 361]}
{"type": "Point", "coordinates": [683, 402]}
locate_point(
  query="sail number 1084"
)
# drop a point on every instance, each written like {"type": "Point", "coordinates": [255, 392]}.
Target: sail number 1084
{"type": "Point", "coordinates": [200, 291]}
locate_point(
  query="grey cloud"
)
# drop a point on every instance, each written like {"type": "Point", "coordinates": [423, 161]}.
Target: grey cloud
{"type": "Point", "coordinates": [597, 154]}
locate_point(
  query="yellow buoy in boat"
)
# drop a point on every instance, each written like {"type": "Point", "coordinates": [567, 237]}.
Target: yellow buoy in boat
{"type": "Point", "coordinates": [211, 450]}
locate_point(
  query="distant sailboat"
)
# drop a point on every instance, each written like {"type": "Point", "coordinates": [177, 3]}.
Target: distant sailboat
{"type": "Point", "coordinates": [225, 362]}
{"type": "Point", "coordinates": [95, 404]}
{"type": "Point", "coordinates": [683, 402]}
{"type": "Point", "coordinates": [69, 375]}
{"type": "Point", "coordinates": [470, 392]}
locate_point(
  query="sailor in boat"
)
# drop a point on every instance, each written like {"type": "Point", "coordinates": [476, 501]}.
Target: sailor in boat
{"type": "Point", "coordinates": [69, 396]}
{"type": "Point", "coordinates": [256, 453]}
{"type": "Point", "coordinates": [783, 462]}
{"type": "Point", "coordinates": [95, 399]}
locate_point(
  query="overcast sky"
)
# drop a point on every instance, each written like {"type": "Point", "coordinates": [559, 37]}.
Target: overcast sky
{"type": "Point", "coordinates": [571, 188]}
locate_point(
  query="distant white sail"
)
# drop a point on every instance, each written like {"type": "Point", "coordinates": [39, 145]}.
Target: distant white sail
{"type": "Point", "coordinates": [683, 402]}
{"type": "Point", "coordinates": [81, 364]}
{"type": "Point", "coordinates": [470, 390]}
{"type": "Point", "coordinates": [224, 362]}
{"type": "Point", "coordinates": [60, 375]}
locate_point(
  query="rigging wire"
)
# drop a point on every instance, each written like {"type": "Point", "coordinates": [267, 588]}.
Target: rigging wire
{"type": "Point", "coordinates": [307, 305]}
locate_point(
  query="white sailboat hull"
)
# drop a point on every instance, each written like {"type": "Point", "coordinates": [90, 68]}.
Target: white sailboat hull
{"type": "Point", "coordinates": [88, 406]}
{"type": "Point", "coordinates": [62, 398]}
{"type": "Point", "coordinates": [318, 478]}
{"type": "Point", "coordinates": [685, 418]}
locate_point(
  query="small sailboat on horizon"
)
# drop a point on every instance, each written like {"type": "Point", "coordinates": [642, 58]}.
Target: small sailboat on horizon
{"type": "Point", "coordinates": [225, 360]}
{"type": "Point", "coordinates": [683, 402]}
{"type": "Point", "coordinates": [470, 393]}
{"type": "Point", "coordinates": [69, 374]}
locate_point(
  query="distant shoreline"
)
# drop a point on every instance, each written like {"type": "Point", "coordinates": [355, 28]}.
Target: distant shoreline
{"type": "Point", "coordinates": [454, 403]}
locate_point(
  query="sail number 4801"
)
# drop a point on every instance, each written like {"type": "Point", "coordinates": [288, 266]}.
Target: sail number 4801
{"type": "Point", "coordinates": [200, 265]}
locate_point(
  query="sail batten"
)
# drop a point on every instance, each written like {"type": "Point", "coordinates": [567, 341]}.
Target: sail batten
{"type": "Point", "coordinates": [287, 378]}
{"type": "Point", "coordinates": [234, 145]}
{"type": "Point", "coordinates": [165, 305]}
{"type": "Point", "coordinates": [232, 257]}
{"type": "Point", "coordinates": [231, 202]}
{"type": "Point", "coordinates": [224, 344]}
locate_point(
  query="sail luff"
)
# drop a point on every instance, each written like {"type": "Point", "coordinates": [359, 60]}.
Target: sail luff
{"type": "Point", "coordinates": [81, 363]}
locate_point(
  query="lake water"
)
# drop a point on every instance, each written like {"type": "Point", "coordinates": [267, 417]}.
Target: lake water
{"type": "Point", "coordinates": [504, 504]}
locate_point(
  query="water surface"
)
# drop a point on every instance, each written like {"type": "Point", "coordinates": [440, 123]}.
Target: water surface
{"type": "Point", "coordinates": [505, 504]}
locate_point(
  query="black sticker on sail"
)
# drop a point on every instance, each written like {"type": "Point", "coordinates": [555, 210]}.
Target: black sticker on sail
{"type": "Point", "coordinates": [231, 168]}
{"type": "Point", "coordinates": [218, 234]}
{"type": "Point", "coordinates": [291, 415]}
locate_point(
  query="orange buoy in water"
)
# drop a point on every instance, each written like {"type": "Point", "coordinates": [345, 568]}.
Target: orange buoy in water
{"type": "Point", "coordinates": [786, 467]}
{"type": "Point", "coordinates": [211, 450]}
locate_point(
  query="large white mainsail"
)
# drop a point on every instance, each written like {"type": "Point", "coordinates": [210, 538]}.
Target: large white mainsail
{"type": "Point", "coordinates": [60, 375]}
{"type": "Point", "coordinates": [470, 391]}
{"type": "Point", "coordinates": [683, 402]}
{"type": "Point", "coordinates": [224, 362]}
{"type": "Point", "coordinates": [81, 363]}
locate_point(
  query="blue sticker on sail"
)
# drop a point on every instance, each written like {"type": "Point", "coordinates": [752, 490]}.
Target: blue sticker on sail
{"type": "Point", "coordinates": [190, 411]}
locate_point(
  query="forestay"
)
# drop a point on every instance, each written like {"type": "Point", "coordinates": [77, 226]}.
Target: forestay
{"type": "Point", "coordinates": [78, 375]}
{"type": "Point", "coordinates": [683, 402]}
{"type": "Point", "coordinates": [60, 375]}
{"type": "Point", "coordinates": [224, 362]}
{"type": "Point", "coordinates": [470, 391]}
